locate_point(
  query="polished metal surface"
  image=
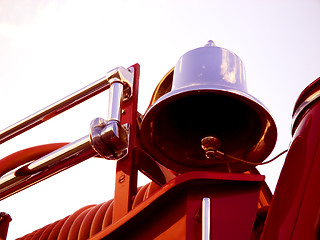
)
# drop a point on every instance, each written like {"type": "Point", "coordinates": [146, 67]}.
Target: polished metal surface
{"type": "Point", "coordinates": [208, 97]}
{"type": "Point", "coordinates": [109, 139]}
{"type": "Point", "coordinates": [109, 136]}
{"type": "Point", "coordinates": [115, 99]}
{"type": "Point", "coordinates": [10, 180]}
{"type": "Point", "coordinates": [206, 215]}
{"type": "Point", "coordinates": [213, 66]}
{"type": "Point", "coordinates": [115, 137]}
{"type": "Point", "coordinates": [68, 102]}
{"type": "Point", "coordinates": [98, 145]}
{"type": "Point", "coordinates": [54, 109]}
{"type": "Point", "coordinates": [126, 75]}
{"type": "Point", "coordinates": [81, 146]}
{"type": "Point", "coordinates": [210, 145]}
{"type": "Point", "coordinates": [48, 165]}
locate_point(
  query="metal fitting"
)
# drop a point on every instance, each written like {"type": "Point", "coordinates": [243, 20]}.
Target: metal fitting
{"type": "Point", "coordinates": [211, 145]}
{"type": "Point", "coordinates": [124, 76]}
{"type": "Point", "coordinates": [109, 139]}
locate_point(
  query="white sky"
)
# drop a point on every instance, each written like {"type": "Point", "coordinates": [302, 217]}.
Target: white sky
{"type": "Point", "coordinates": [49, 49]}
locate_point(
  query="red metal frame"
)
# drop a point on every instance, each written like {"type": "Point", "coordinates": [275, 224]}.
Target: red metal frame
{"type": "Point", "coordinates": [173, 211]}
{"type": "Point", "coordinates": [126, 172]}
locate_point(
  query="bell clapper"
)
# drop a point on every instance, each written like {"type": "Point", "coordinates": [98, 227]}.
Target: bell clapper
{"type": "Point", "coordinates": [211, 145]}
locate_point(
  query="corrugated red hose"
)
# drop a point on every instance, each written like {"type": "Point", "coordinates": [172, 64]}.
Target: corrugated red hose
{"type": "Point", "coordinates": [87, 221]}
{"type": "Point", "coordinates": [82, 224]}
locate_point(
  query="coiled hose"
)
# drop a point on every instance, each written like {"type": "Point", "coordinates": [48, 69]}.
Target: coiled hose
{"type": "Point", "coordinates": [87, 221]}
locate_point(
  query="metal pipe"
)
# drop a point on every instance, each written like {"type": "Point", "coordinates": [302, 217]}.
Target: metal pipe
{"type": "Point", "coordinates": [74, 149]}
{"type": "Point", "coordinates": [115, 100]}
{"type": "Point", "coordinates": [123, 75]}
{"type": "Point", "coordinates": [55, 109]}
{"type": "Point", "coordinates": [206, 218]}
{"type": "Point", "coordinates": [108, 137]}
{"type": "Point", "coordinates": [47, 166]}
{"type": "Point", "coordinates": [115, 136]}
{"type": "Point", "coordinates": [10, 180]}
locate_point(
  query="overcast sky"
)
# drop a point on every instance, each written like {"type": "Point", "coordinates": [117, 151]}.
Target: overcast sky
{"type": "Point", "coordinates": [49, 49]}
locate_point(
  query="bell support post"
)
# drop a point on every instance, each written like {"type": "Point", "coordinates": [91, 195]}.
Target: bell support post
{"type": "Point", "coordinates": [126, 170]}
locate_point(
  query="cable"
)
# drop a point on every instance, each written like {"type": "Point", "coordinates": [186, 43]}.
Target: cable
{"type": "Point", "coordinates": [252, 163]}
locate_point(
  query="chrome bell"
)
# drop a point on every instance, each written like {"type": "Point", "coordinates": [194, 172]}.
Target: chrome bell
{"type": "Point", "coordinates": [205, 97]}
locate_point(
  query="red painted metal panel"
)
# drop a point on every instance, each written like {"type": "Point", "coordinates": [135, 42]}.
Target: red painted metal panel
{"type": "Point", "coordinates": [173, 211]}
{"type": "Point", "coordinates": [295, 208]}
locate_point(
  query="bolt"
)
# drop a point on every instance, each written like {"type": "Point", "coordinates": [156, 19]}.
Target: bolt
{"type": "Point", "coordinates": [122, 178]}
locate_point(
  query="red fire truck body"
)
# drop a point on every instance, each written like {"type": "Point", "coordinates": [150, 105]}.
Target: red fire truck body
{"type": "Point", "coordinates": [204, 184]}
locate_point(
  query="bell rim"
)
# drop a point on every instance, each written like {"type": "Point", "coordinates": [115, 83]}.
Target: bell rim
{"type": "Point", "coordinates": [176, 94]}
{"type": "Point", "coordinates": [188, 90]}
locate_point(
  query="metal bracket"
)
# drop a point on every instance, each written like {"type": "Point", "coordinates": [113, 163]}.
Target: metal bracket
{"type": "Point", "coordinates": [108, 137]}
{"type": "Point", "coordinates": [125, 75]}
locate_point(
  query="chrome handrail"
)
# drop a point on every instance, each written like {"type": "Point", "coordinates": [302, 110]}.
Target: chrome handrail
{"type": "Point", "coordinates": [68, 102]}
{"type": "Point", "coordinates": [108, 138]}
{"type": "Point", "coordinates": [80, 149]}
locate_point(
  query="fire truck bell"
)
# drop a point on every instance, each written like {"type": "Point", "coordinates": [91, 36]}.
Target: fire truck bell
{"type": "Point", "coordinates": [205, 95]}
